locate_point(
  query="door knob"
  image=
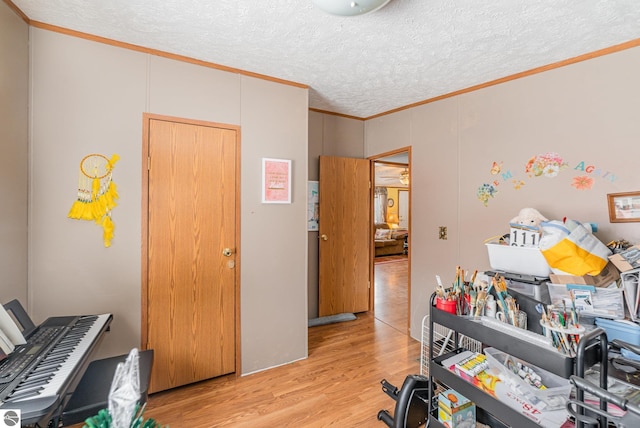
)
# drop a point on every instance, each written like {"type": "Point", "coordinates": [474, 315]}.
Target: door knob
{"type": "Point", "coordinates": [227, 252]}
{"type": "Point", "coordinates": [324, 237]}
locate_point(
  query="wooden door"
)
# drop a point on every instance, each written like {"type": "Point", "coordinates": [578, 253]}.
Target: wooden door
{"type": "Point", "coordinates": [403, 208]}
{"type": "Point", "coordinates": [345, 235]}
{"type": "Point", "coordinates": [191, 286]}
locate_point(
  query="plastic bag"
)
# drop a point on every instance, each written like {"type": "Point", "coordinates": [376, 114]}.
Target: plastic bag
{"type": "Point", "coordinates": [570, 248]}
{"type": "Point", "coordinates": [125, 391]}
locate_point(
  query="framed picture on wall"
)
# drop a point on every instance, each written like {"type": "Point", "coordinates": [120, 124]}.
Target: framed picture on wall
{"type": "Point", "coordinates": [276, 181]}
{"type": "Point", "coordinates": [624, 207]}
{"type": "Point", "coordinates": [313, 206]}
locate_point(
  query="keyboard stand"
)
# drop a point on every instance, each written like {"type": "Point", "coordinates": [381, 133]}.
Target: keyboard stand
{"type": "Point", "coordinates": [92, 393]}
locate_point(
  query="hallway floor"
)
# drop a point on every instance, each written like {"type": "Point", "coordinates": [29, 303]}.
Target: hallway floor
{"type": "Point", "coordinates": [391, 291]}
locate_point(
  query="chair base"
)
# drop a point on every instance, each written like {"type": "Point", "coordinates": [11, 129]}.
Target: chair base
{"type": "Point", "coordinates": [412, 403]}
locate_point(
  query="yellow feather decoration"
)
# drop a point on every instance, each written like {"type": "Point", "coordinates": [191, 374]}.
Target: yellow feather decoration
{"type": "Point", "coordinates": [107, 227]}
{"type": "Point", "coordinates": [112, 162]}
{"type": "Point", "coordinates": [95, 188]}
{"type": "Point", "coordinates": [97, 193]}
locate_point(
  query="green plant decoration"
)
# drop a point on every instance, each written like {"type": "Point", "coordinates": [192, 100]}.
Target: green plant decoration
{"type": "Point", "coordinates": [103, 420]}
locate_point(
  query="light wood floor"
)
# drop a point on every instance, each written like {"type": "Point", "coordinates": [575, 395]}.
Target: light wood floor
{"type": "Point", "coordinates": [391, 291]}
{"type": "Point", "coordinates": [338, 385]}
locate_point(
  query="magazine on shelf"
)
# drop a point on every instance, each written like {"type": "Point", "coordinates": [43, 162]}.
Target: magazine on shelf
{"type": "Point", "coordinates": [631, 291]}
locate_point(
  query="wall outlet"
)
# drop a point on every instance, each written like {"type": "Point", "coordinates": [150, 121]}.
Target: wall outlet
{"type": "Point", "coordinates": [442, 233]}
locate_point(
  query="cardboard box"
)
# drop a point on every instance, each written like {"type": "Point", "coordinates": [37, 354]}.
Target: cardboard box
{"type": "Point", "coordinates": [455, 410]}
{"type": "Point", "coordinates": [608, 275]}
{"type": "Point", "coordinates": [627, 259]}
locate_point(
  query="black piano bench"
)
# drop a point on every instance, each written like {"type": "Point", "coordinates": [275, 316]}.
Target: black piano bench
{"type": "Point", "coordinates": [92, 393]}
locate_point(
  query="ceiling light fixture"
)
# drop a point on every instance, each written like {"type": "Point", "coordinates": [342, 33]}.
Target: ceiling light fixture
{"type": "Point", "coordinates": [350, 7]}
{"type": "Point", "coordinates": [404, 177]}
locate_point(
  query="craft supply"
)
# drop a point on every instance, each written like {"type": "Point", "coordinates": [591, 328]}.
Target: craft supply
{"type": "Point", "coordinates": [473, 296]}
{"type": "Point", "coordinates": [481, 301]}
{"type": "Point", "coordinates": [472, 282]}
{"type": "Point", "coordinates": [472, 365]}
{"type": "Point", "coordinates": [516, 318]}
{"type": "Point", "coordinates": [501, 290]}
{"type": "Point", "coordinates": [561, 330]}
{"type": "Point", "coordinates": [490, 307]}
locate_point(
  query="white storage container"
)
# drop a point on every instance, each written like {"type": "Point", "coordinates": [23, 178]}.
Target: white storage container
{"type": "Point", "coordinates": [557, 390]}
{"type": "Point", "coordinates": [522, 260]}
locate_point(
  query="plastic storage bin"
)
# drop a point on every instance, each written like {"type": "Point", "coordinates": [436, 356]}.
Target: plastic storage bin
{"type": "Point", "coordinates": [626, 331]}
{"type": "Point", "coordinates": [537, 291]}
{"type": "Point", "coordinates": [557, 390]}
{"type": "Point", "coordinates": [522, 260]}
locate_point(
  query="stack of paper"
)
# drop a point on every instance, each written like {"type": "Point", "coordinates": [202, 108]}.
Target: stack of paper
{"type": "Point", "coordinates": [10, 334]}
{"type": "Point", "coordinates": [630, 280]}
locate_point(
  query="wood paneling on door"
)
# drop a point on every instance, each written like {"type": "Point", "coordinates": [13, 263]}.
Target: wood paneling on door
{"type": "Point", "coordinates": [191, 285]}
{"type": "Point", "coordinates": [345, 235]}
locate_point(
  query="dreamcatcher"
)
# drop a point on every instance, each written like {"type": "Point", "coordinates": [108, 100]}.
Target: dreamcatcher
{"type": "Point", "coordinates": [97, 194]}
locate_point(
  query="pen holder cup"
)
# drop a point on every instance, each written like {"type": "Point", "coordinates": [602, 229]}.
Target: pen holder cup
{"type": "Point", "coordinates": [565, 339]}
{"type": "Point", "coordinates": [521, 319]}
{"type": "Point", "coordinates": [446, 305]}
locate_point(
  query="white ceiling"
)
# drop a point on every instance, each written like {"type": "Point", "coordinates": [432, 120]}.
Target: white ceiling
{"type": "Point", "coordinates": [406, 52]}
{"type": "Point", "coordinates": [387, 175]}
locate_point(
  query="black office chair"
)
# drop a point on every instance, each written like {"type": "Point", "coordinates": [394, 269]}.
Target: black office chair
{"type": "Point", "coordinates": [412, 402]}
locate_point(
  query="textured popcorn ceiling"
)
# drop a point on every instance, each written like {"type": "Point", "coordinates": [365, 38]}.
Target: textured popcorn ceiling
{"type": "Point", "coordinates": [408, 51]}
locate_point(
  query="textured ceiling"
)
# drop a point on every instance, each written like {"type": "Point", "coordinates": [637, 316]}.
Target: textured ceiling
{"type": "Point", "coordinates": [406, 52]}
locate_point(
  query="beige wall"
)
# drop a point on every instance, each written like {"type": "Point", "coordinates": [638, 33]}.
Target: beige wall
{"type": "Point", "coordinates": [392, 193]}
{"type": "Point", "coordinates": [274, 244]}
{"type": "Point", "coordinates": [329, 135]}
{"type": "Point", "coordinates": [14, 161]}
{"type": "Point", "coordinates": [89, 98]}
{"type": "Point", "coordinates": [586, 112]}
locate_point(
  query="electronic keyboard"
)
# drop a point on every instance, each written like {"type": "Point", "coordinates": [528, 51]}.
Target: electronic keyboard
{"type": "Point", "coordinates": [38, 377]}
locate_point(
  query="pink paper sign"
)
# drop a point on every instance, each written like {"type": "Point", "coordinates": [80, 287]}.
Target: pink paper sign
{"type": "Point", "coordinates": [276, 181]}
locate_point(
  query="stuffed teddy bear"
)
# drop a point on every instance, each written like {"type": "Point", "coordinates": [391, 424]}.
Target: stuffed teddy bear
{"type": "Point", "coordinates": [530, 217]}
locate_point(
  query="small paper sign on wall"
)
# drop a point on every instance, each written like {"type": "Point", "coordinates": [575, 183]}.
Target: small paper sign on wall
{"type": "Point", "coordinates": [276, 181]}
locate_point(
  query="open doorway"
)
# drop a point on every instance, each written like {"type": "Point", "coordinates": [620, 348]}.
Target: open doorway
{"type": "Point", "coordinates": [391, 238]}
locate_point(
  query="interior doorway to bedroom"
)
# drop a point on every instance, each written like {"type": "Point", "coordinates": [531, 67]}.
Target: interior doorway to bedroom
{"type": "Point", "coordinates": [391, 238]}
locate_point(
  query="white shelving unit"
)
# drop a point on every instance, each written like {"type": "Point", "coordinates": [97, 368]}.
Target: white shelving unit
{"type": "Point", "coordinates": [443, 342]}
